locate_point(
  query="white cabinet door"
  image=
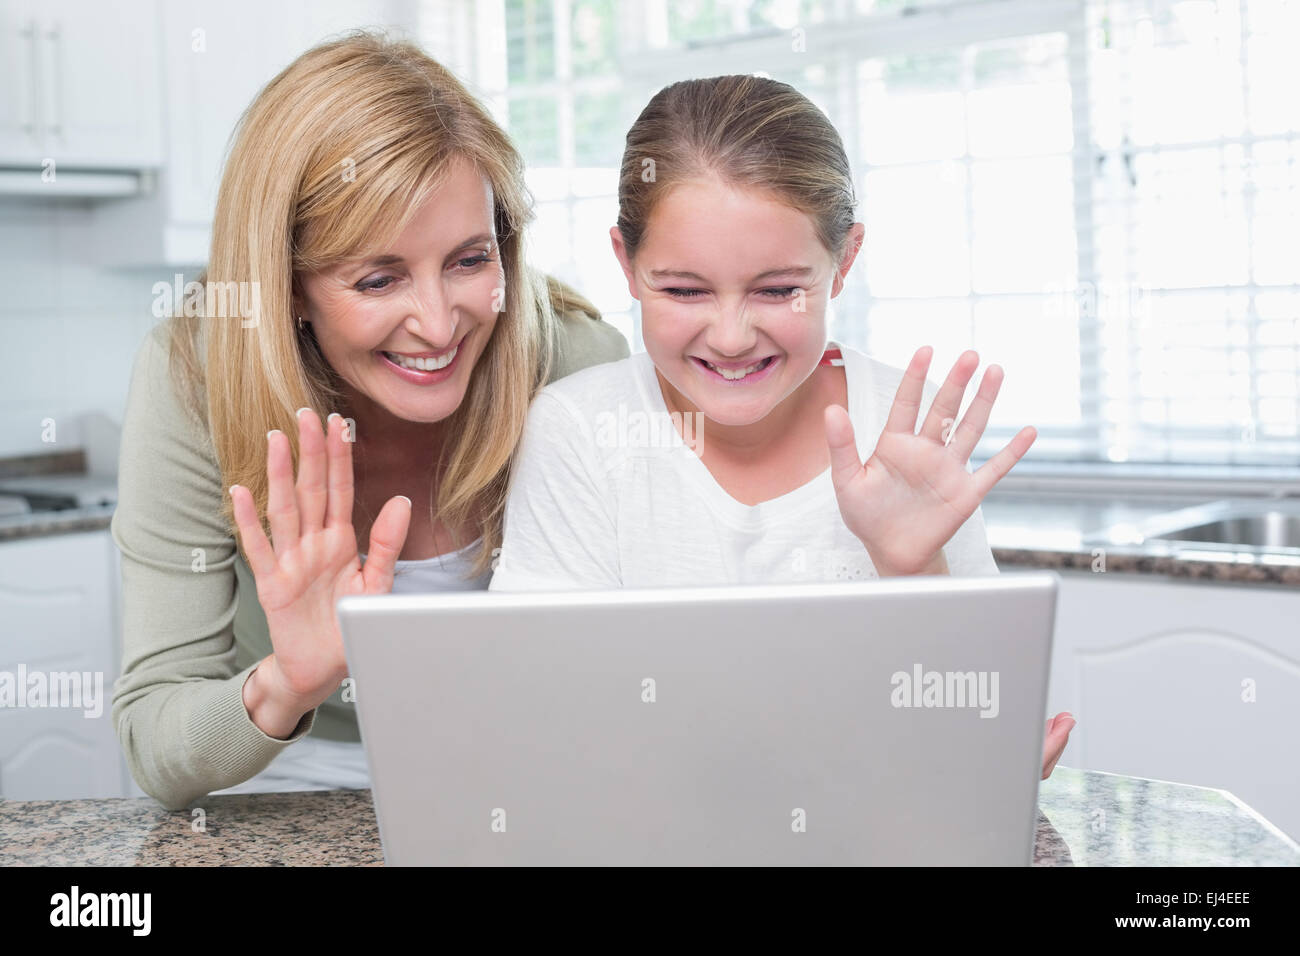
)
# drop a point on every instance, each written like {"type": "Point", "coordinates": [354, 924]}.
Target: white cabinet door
{"type": "Point", "coordinates": [216, 63]}
{"type": "Point", "coordinates": [20, 135]}
{"type": "Point", "coordinates": [82, 85]}
{"type": "Point", "coordinates": [1194, 683]}
{"type": "Point", "coordinates": [216, 56]}
{"type": "Point", "coordinates": [100, 85]}
{"type": "Point", "coordinates": [58, 618]}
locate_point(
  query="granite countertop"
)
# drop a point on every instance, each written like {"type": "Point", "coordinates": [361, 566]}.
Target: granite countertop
{"type": "Point", "coordinates": [60, 474]}
{"type": "Point", "coordinates": [66, 521]}
{"type": "Point", "coordinates": [1032, 525]}
{"type": "Point", "coordinates": [1069, 531]}
{"type": "Point", "coordinates": [1085, 818]}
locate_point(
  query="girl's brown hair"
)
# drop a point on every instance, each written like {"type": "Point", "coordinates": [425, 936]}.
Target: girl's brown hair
{"type": "Point", "coordinates": [747, 131]}
{"type": "Point", "coordinates": [332, 160]}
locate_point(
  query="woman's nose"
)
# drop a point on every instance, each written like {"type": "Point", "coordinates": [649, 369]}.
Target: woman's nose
{"type": "Point", "coordinates": [432, 316]}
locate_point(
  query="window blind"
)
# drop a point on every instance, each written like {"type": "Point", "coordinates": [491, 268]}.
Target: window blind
{"type": "Point", "coordinates": [1102, 196]}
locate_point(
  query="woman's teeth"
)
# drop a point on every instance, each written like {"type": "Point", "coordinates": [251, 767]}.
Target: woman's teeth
{"type": "Point", "coordinates": [733, 374]}
{"type": "Point", "coordinates": [422, 364]}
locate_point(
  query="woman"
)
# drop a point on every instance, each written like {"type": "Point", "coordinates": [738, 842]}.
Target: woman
{"type": "Point", "coordinates": [377, 213]}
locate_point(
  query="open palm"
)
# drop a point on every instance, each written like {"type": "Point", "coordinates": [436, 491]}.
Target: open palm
{"type": "Point", "coordinates": [314, 560]}
{"type": "Point", "coordinates": [914, 492]}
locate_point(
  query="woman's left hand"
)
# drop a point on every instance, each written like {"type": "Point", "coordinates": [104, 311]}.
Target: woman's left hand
{"type": "Point", "coordinates": [914, 492]}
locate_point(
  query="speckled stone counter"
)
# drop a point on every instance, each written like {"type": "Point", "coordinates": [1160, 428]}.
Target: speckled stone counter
{"type": "Point", "coordinates": [1031, 523]}
{"type": "Point", "coordinates": [1064, 532]}
{"type": "Point", "coordinates": [1225, 569]}
{"type": "Point", "coordinates": [1085, 818]}
{"type": "Point", "coordinates": [46, 523]}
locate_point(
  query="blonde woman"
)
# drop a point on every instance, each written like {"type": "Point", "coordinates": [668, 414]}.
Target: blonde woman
{"type": "Point", "coordinates": [377, 213]}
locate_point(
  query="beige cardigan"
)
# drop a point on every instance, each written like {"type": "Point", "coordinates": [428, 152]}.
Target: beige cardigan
{"type": "Point", "coordinates": [192, 637]}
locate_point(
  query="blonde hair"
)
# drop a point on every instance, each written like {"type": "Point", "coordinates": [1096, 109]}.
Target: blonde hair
{"type": "Point", "coordinates": [748, 131]}
{"type": "Point", "coordinates": [331, 160]}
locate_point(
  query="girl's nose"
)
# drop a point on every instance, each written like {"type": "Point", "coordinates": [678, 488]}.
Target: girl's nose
{"type": "Point", "coordinates": [731, 332]}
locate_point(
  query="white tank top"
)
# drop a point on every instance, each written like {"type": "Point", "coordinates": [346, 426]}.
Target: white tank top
{"type": "Point", "coordinates": [443, 572]}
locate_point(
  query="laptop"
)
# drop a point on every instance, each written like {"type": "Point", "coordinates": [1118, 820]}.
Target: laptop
{"type": "Point", "coordinates": [895, 722]}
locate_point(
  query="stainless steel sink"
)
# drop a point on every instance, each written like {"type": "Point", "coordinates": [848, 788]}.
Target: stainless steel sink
{"type": "Point", "coordinates": [1271, 530]}
{"type": "Point", "coordinates": [1241, 524]}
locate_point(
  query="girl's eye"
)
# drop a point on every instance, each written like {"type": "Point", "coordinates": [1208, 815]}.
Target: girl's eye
{"type": "Point", "coordinates": [373, 285]}
{"type": "Point", "coordinates": [778, 294]}
{"type": "Point", "coordinates": [685, 293]}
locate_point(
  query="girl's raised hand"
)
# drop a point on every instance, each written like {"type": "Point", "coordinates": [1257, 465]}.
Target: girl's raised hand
{"type": "Point", "coordinates": [914, 492]}
{"type": "Point", "coordinates": [1055, 739]}
{"type": "Point", "coordinates": [313, 561]}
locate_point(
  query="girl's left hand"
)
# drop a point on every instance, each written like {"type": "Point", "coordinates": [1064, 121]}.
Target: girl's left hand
{"type": "Point", "coordinates": [1054, 741]}
{"type": "Point", "coordinates": [914, 492]}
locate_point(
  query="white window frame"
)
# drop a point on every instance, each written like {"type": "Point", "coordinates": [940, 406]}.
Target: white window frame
{"type": "Point", "coordinates": [838, 45]}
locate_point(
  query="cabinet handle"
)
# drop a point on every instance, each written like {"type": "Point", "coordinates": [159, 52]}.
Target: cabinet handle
{"type": "Point", "coordinates": [28, 33]}
{"type": "Point", "coordinates": [56, 70]}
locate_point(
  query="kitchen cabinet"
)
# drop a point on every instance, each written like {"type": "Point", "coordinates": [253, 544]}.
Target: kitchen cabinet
{"type": "Point", "coordinates": [215, 58]}
{"type": "Point", "coordinates": [81, 85]}
{"type": "Point", "coordinates": [59, 615]}
{"type": "Point", "coordinates": [1195, 683]}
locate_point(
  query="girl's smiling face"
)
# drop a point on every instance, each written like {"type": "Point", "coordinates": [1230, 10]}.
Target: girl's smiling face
{"type": "Point", "coordinates": [733, 285]}
{"type": "Point", "coordinates": [405, 328]}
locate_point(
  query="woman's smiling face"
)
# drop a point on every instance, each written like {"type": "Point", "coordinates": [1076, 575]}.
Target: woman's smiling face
{"type": "Point", "coordinates": [733, 286]}
{"type": "Point", "coordinates": [404, 328]}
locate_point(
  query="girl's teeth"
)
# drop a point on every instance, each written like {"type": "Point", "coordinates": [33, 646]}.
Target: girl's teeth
{"type": "Point", "coordinates": [423, 364]}
{"type": "Point", "coordinates": [734, 374]}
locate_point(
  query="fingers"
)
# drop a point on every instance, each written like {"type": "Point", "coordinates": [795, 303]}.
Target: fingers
{"type": "Point", "coordinates": [1058, 735]}
{"type": "Point", "coordinates": [297, 508]}
{"type": "Point", "coordinates": [311, 490]}
{"type": "Point", "coordinates": [261, 556]}
{"type": "Point", "coordinates": [973, 423]}
{"type": "Point", "coordinates": [339, 466]}
{"type": "Point", "coordinates": [907, 401]}
{"type": "Point", "coordinates": [387, 535]}
{"type": "Point", "coordinates": [996, 468]}
{"type": "Point", "coordinates": [943, 410]}
{"type": "Point", "coordinates": [281, 508]}
{"type": "Point", "coordinates": [845, 463]}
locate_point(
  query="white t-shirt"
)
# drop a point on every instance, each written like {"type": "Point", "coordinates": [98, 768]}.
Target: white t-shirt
{"type": "Point", "coordinates": [606, 494]}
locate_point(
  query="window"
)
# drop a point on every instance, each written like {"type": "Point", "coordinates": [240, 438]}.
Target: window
{"type": "Point", "coordinates": [1099, 195]}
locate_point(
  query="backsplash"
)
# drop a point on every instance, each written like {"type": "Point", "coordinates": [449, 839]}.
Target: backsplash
{"type": "Point", "coordinates": [70, 331]}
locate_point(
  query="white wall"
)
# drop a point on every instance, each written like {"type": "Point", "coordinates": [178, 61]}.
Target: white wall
{"type": "Point", "coordinates": [69, 332]}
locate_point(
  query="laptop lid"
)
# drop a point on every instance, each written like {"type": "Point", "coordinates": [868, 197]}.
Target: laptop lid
{"type": "Point", "coordinates": [884, 722]}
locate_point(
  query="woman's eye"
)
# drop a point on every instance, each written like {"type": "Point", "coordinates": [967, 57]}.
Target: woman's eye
{"type": "Point", "coordinates": [778, 294]}
{"type": "Point", "coordinates": [372, 285]}
{"type": "Point", "coordinates": [685, 293]}
{"type": "Point", "coordinates": [471, 261]}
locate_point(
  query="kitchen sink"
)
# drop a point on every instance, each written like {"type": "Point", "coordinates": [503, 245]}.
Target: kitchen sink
{"type": "Point", "coordinates": [1271, 530]}
{"type": "Point", "coordinates": [1257, 525]}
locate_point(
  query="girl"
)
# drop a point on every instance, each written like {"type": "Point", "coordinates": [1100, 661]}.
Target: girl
{"type": "Point", "coordinates": [735, 229]}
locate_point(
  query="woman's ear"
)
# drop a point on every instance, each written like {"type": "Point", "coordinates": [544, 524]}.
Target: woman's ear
{"type": "Point", "coordinates": [852, 246]}
{"type": "Point", "coordinates": [297, 301]}
{"type": "Point", "coordinates": [620, 251]}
